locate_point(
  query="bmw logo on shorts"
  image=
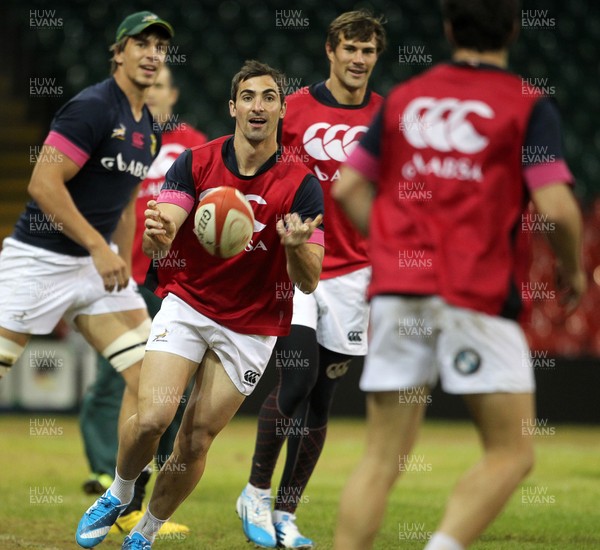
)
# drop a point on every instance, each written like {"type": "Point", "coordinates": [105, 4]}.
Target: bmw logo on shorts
{"type": "Point", "coordinates": [467, 361]}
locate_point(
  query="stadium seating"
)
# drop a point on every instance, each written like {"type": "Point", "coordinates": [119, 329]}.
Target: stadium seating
{"type": "Point", "coordinates": [548, 331]}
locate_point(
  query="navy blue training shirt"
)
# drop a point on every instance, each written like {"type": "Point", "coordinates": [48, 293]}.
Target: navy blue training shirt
{"type": "Point", "coordinates": [97, 131]}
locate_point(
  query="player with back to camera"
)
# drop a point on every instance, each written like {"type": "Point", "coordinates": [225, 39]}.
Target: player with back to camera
{"type": "Point", "coordinates": [99, 412]}
{"type": "Point", "coordinates": [218, 321]}
{"type": "Point", "coordinates": [329, 326]}
{"type": "Point", "coordinates": [464, 128]}
{"type": "Point", "coordinates": [59, 261]}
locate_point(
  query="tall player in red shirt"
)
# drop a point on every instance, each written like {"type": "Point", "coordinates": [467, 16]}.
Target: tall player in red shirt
{"type": "Point", "coordinates": [323, 123]}
{"type": "Point", "coordinates": [218, 322]}
{"type": "Point", "coordinates": [442, 196]}
{"type": "Point", "coordinates": [176, 137]}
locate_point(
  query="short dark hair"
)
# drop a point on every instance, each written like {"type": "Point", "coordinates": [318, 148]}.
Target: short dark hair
{"type": "Point", "coordinates": [358, 25]}
{"type": "Point", "coordinates": [119, 46]}
{"type": "Point", "coordinates": [252, 68]}
{"type": "Point", "coordinates": [482, 25]}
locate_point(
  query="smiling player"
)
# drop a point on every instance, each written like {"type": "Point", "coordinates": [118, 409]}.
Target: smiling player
{"type": "Point", "coordinates": [323, 123]}
{"type": "Point", "coordinates": [62, 258]}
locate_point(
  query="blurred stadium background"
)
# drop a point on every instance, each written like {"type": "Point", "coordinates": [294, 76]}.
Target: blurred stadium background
{"type": "Point", "coordinates": [57, 48]}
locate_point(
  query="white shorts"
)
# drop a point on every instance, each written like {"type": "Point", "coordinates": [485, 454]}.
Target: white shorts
{"type": "Point", "coordinates": [38, 287]}
{"type": "Point", "coordinates": [338, 311]}
{"type": "Point", "coordinates": [415, 340]}
{"type": "Point", "coordinates": [178, 328]}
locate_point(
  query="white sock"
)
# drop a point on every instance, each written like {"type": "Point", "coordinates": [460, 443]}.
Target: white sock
{"type": "Point", "coordinates": [441, 541]}
{"type": "Point", "coordinates": [258, 492]}
{"type": "Point", "coordinates": [278, 515]}
{"type": "Point", "coordinates": [148, 525]}
{"type": "Point", "coordinates": [122, 488]}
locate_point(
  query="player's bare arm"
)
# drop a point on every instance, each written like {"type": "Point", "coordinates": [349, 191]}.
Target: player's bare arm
{"type": "Point", "coordinates": [558, 206]}
{"type": "Point", "coordinates": [47, 188]}
{"type": "Point", "coordinates": [355, 193]}
{"type": "Point", "coordinates": [163, 220]}
{"type": "Point", "coordinates": [124, 233]}
{"type": "Point", "coordinates": [304, 260]}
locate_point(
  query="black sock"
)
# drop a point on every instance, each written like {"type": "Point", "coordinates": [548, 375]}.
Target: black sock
{"type": "Point", "coordinates": [297, 369]}
{"type": "Point", "coordinates": [139, 492]}
{"type": "Point", "coordinates": [303, 452]}
{"type": "Point", "coordinates": [268, 443]}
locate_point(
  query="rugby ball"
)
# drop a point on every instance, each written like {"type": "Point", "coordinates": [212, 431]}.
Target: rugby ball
{"type": "Point", "coordinates": [224, 222]}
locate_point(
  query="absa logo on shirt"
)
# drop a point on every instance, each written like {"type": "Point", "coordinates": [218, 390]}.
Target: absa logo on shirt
{"type": "Point", "coordinates": [135, 168]}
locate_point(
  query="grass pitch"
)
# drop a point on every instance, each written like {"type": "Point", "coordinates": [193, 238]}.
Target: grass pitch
{"type": "Point", "coordinates": [41, 471]}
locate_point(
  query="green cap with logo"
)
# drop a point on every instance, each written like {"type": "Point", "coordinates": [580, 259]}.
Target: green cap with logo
{"type": "Point", "coordinates": [136, 22]}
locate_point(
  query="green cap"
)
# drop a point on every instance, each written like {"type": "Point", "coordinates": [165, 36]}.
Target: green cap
{"type": "Point", "coordinates": [136, 22]}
